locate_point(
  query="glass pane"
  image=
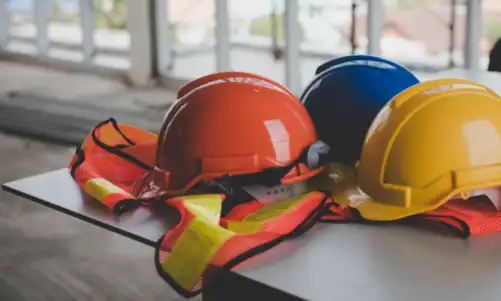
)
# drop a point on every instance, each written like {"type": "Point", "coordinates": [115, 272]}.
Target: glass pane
{"type": "Point", "coordinates": [21, 18]}
{"type": "Point", "coordinates": [111, 37]}
{"type": "Point", "coordinates": [192, 27]}
{"type": "Point", "coordinates": [22, 27]}
{"type": "Point", "coordinates": [418, 33]}
{"type": "Point", "coordinates": [257, 37]}
{"type": "Point", "coordinates": [491, 33]}
{"type": "Point", "coordinates": [330, 29]}
{"type": "Point", "coordinates": [64, 24]}
{"type": "Point", "coordinates": [110, 21]}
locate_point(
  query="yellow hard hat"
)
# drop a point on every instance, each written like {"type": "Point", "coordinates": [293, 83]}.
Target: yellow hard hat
{"type": "Point", "coordinates": [433, 141]}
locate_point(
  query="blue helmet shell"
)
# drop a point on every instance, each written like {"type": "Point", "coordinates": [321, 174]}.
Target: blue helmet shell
{"type": "Point", "coordinates": [345, 96]}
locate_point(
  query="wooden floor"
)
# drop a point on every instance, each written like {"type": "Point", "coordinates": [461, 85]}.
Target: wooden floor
{"type": "Point", "coordinates": [45, 255]}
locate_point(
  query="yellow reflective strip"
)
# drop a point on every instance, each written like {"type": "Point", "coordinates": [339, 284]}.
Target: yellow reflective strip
{"type": "Point", "coordinates": [206, 206]}
{"type": "Point", "coordinates": [244, 227]}
{"type": "Point", "coordinates": [193, 251]}
{"type": "Point", "coordinates": [274, 209]}
{"type": "Point", "coordinates": [252, 222]}
{"type": "Point", "coordinates": [100, 188]}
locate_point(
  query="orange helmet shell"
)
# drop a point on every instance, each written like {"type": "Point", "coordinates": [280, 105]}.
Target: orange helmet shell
{"type": "Point", "coordinates": [232, 76]}
{"type": "Point", "coordinates": [230, 126]}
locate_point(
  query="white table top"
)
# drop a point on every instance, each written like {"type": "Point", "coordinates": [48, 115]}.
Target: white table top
{"type": "Point", "coordinates": [58, 190]}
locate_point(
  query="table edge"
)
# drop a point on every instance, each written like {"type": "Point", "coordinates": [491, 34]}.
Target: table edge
{"type": "Point", "coordinates": [229, 285]}
{"type": "Point", "coordinates": [214, 290]}
{"type": "Point", "coordinates": [76, 215]}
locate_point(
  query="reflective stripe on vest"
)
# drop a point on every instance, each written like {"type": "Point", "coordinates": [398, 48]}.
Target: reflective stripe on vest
{"type": "Point", "coordinates": [106, 192]}
{"type": "Point", "coordinates": [111, 161]}
{"type": "Point", "coordinates": [202, 239]}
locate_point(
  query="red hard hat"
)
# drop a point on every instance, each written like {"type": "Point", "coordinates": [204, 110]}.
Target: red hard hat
{"type": "Point", "coordinates": [232, 124]}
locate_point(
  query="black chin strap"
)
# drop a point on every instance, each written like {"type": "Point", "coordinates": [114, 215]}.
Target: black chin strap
{"type": "Point", "coordinates": [235, 194]}
{"type": "Point", "coordinates": [314, 156]}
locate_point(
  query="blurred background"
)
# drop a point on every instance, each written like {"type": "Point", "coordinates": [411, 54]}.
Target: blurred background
{"type": "Point", "coordinates": [66, 65]}
{"type": "Point", "coordinates": [190, 38]}
{"type": "Point", "coordinates": [133, 55]}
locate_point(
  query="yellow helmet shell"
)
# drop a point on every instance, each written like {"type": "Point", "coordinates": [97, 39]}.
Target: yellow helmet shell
{"type": "Point", "coordinates": [430, 142]}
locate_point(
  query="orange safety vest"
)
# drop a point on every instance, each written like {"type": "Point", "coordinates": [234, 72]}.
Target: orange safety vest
{"type": "Point", "coordinates": [111, 163]}
{"type": "Point", "coordinates": [110, 166]}
{"type": "Point", "coordinates": [465, 218]}
{"type": "Point", "coordinates": [203, 240]}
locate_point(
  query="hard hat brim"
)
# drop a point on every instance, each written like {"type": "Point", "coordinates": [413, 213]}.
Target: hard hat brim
{"type": "Point", "coordinates": [349, 194]}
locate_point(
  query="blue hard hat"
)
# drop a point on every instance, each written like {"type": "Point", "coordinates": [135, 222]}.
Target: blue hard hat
{"type": "Point", "coordinates": [345, 96]}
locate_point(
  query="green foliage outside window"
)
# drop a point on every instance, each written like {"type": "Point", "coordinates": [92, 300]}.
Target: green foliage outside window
{"type": "Point", "coordinates": [263, 26]}
{"type": "Point", "coordinates": [116, 18]}
{"type": "Point", "coordinates": [410, 4]}
{"type": "Point", "coordinates": [492, 30]}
